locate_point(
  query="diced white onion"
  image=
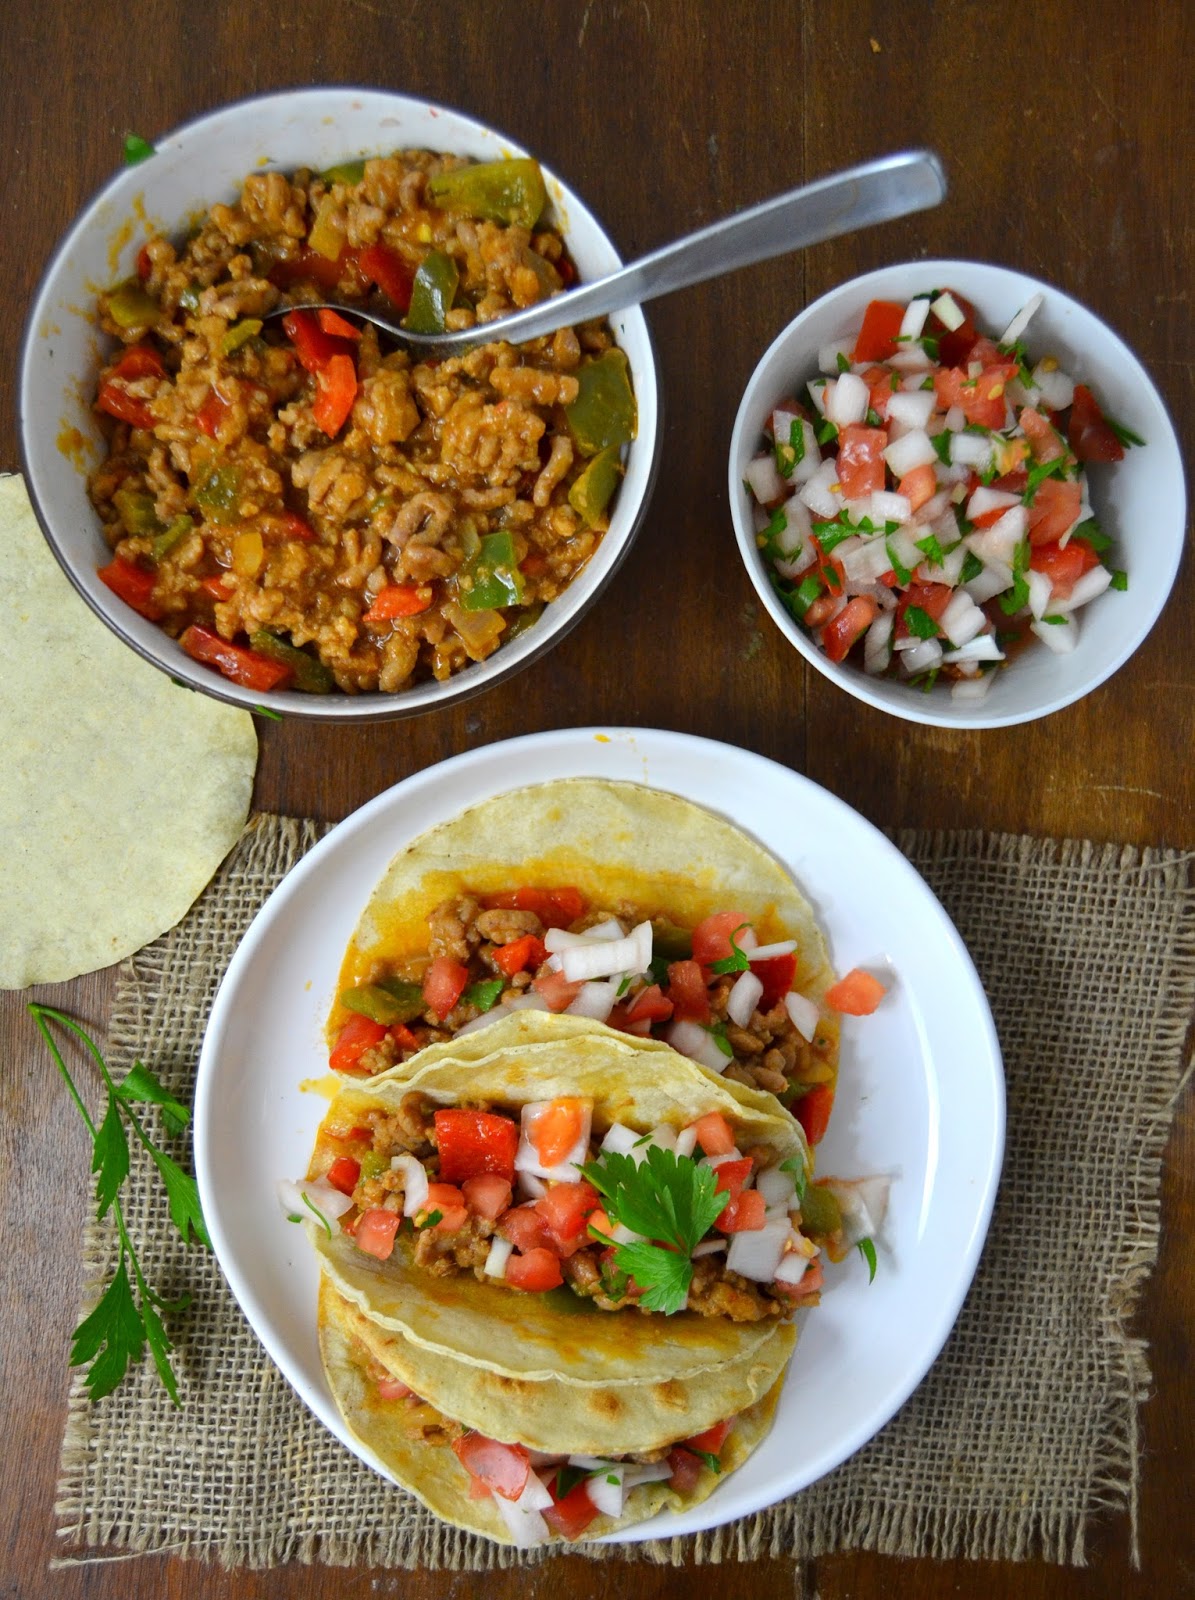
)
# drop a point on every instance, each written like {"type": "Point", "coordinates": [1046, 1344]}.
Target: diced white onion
{"type": "Point", "coordinates": [777, 1187]}
{"type": "Point", "coordinates": [912, 408]}
{"type": "Point", "coordinates": [913, 449]}
{"type": "Point", "coordinates": [768, 952]}
{"type": "Point", "coordinates": [621, 1140]}
{"type": "Point", "coordinates": [529, 1186]}
{"type": "Point", "coordinates": [962, 619]}
{"type": "Point", "coordinates": [527, 1158]}
{"type": "Point", "coordinates": [981, 648]}
{"type": "Point", "coordinates": [414, 1183]}
{"type": "Point", "coordinates": [993, 580]}
{"type": "Point", "coordinates": [889, 507]}
{"type": "Point", "coordinates": [955, 419]}
{"type": "Point", "coordinates": [935, 508]}
{"type": "Point", "coordinates": [910, 358]}
{"type": "Point", "coordinates": [1004, 535]}
{"type": "Point", "coordinates": [1040, 590]}
{"type": "Point", "coordinates": [792, 1268]}
{"type": "Point", "coordinates": [900, 544]}
{"type": "Point", "coordinates": [743, 998]}
{"type": "Point", "coordinates": [1056, 388]}
{"type": "Point", "coordinates": [913, 320]}
{"type": "Point", "coordinates": [811, 458]}
{"type": "Point", "coordinates": [877, 652]}
{"type": "Point", "coordinates": [596, 1000]}
{"type": "Point", "coordinates": [828, 354]}
{"type": "Point", "coordinates": [863, 1203]}
{"type": "Point", "coordinates": [764, 480]}
{"type": "Point", "coordinates": [723, 1156]}
{"type": "Point", "coordinates": [865, 563]}
{"type": "Point", "coordinates": [686, 1140]}
{"type": "Point", "coordinates": [971, 450]}
{"type": "Point", "coordinates": [484, 1020]}
{"type": "Point", "coordinates": [817, 393]}
{"type": "Point", "coordinates": [984, 500]}
{"type": "Point", "coordinates": [605, 1489]}
{"type": "Point", "coordinates": [663, 1136]}
{"type": "Point", "coordinates": [798, 525]}
{"type": "Point", "coordinates": [1061, 637]}
{"type": "Point", "coordinates": [1021, 321]}
{"type": "Point", "coordinates": [603, 957]}
{"type": "Point", "coordinates": [522, 1516]}
{"type": "Point", "coordinates": [847, 399]}
{"type": "Point", "coordinates": [946, 309]}
{"type": "Point", "coordinates": [755, 1253]}
{"type": "Point", "coordinates": [818, 494]}
{"type": "Point", "coordinates": [1086, 588]}
{"type": "Point", "coordinates": [803, 1011]}
{"type": "Point", "coordinates": [645, 1472]}
{"type": "Point", "coordinates": [708, 1247]}
{"type": "Point", "coordinates": [692, 1040]}
{"type": "Point", "coordinates": [924, 655]}
{"type": "Point", "coordinates": [972, 688]}
{"type": "Point", "coordinates": [495, 1262]}
{"type": "Point", "coordinates": [327, 1200]}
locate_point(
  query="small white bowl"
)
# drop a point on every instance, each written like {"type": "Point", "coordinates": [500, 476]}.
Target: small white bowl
{"type": "Point", "coordinates": [1140, 501]}
{"type": "Point", "coordinates": [197, 165]}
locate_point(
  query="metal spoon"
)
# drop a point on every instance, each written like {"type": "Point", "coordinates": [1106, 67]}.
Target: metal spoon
{"type": "Point", "coordinates": [877, 191]}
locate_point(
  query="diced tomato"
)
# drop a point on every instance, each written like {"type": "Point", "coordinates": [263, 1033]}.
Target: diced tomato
{"type": "Point", "coordinates": [918, 486]}
{"type": "Point", "coordinates": [519, 955]}
{"type": "Point", "coordinates": [828, 568]}
{"type": "Point", "coordinates": [139, 361]}
{"type": "Point", "coordinates": [649, 1005]}
{"type": "Point", "coordinates": [555, 908]}
{"type": "Point", "coordinates": [564, 1209]}
{"type": "Point", "coordinates": [821, 611]}
{"type": "Point", "coordinates": [813, 1111]}
{"type": "Point", "coordinates": [857, 994]}
{"type": "Point", "coordinates": [982, 398]}
{"type": "Point", "coordinates": [344, 1174]}
{"type": "Point", "coordinates": [399, 600]}
{"type": "Point", "coordinates": [335, 394]}
{"type": "Point", "coordinates": [687, 991]}
{"type": "Point", "coordinates": [732, 1175]}
{"type": "Point", "coordinates": [686, 1469]}
{"type": "Point", "coordinates": [1054, 509]}
{"type": "Point", "coordinates": [448, 1200]}
{"type": "Point", "coordinates": [712, 1440]}
{"type": "Point", "coordinates": [1065, 564]}
{"type": "Point", "coordinates": [443, 984]}
{"type": "Point", "coordinates": [217, 584]}
{"type": "Point", "coordinates": [810, 1283]}
{"type": "Point", "coordinates": [314, 347]}
{"type": "Point", "coordinates": [525, 1228]}
{"type": "Point", "coordinates": [536, 1272]}
{"type": "Point", "coordinates": [879, 381]}
{"type": "Point", "coordinates": [571, 1515]}
{"type": "Point", "coordinates": [599, 1222]}
{"type": "Point", "coordinates": [122, 405]}
{"type": "Point", "coordinates": [556, 1129]}
{"type": "Point", "coordinates": [488, 1195]}
{"type": "Point", "coordinates": [1088, 433]}
{"type": "Point", "coordinates": [393, 1389]}
{"type": "Point", "coordinates": [861, 466]}
{"type": "Point", "coordinates": [339, 327]}
{"type": "Point", "coordinates": [358, 1035]}
{"type": "Point", "coordinates": [296, 527]}
{"type": "Point", "coordinates": [310, 266]}
{"type": "Point", "coordinates": [556, 990]}
{"type": "Point", "coordinates": [376, 1231]}
{"type": "Point", "coordinates": [711, 938]}
{"type": "Point", "coordinates": [473, 1142]}
{"type": "Point", "coordinates": [1043, 440]}
{"type": "Point", "coordinates": [503, 1468]}
{"type": "Point", "coordinates": [877, 336]}
{"type": "Point", "coordinates": [932, 598]}
{"type": "Point", "coordinates": [714, 1134]}
{"type": "Point", "coordinates": [246, 667]}
{"type": "Point", "coordinates": [134, 585]}
{"type": "Point", "coordinates": [844, 631]}
{"type": "Point", "coordinates": [776, 974]}
{"type": "Point", "coordinates": [744, 1214]}
{"type": "Point", "coordinates": [211, 413]}
{"type": "Point", "coordinates": [385, 267]}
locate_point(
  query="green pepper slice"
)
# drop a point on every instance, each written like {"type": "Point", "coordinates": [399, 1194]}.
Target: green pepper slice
{"type": "Point", "coordinates": [821, 1215]}
{"type": "Point", "coordinates": [173, 533]}
{"type": "Point", "coordinates": [524, 619]}
{"type": "Point", "coordinates": [491, 579]}
{"type": "Point", "coordinates": [218, 494]}
{"type": "Point", "coordinates": [347, 172]}
{"type": "Point", "coordinates": [484, 994]}
{"type": "Point", "coordinates": [590, 494]}
{"type": "Point", "coordinates": [130, 305]}
{"type": "Point", "coordinates": [311, 676]}
{"type": "Point", "coordinates": [388, 1001]}
{"type": "Point", "coordinates": [373, 1164]}
{"type": "Point", "coordinates": [496, 191]}
{"type": "Point", "coordinates": [432, 293]}
{"type": "Point", "coordinates": [603, 414]}
{"type": "Point", "coordinates": [137, 514]}
{"type": "Point", "coordinates": [240, 333]}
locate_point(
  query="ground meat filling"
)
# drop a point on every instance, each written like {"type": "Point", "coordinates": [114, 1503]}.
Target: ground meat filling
{"type": "Point", "coordinates": [241, 497]}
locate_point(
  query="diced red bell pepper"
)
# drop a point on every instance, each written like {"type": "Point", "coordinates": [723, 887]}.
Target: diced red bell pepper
{"type": "Point", "coordinates": [572, 1513]}
{"type": "Point", "coordinates": [687, 991]}
{"type": "Point", "coordinates": [358, 1035]}
{"type": "Point", "coordinates": [487, 1195]}
{"type": "Point", "coordinates": [296, 527]}
{"type": "Point", "coordinates": [246, 667]}
{"type": "Point", "coordinates": [744, 1214]}
{"type": "Point", "coordinates": [399, 600]}
{"type": "Point", "coordinates": [139, 361]}
{"type": "Point", "coordinates": [473, 1142]}
{"type": "Point", "coordinates": [309, 266]}
{"type": "Point", "coordinates": [877, 336]}
{"type": "Point", "coordinates": [443, 984]}
{"type": "Point", "coordinates": [1088, 433]}
{"type": "Point", "coordinates": [384, 266]}
{"type": "Point", "coordinates": [314, 348]}
{"type": "Point", "coordinates": [555, 908]}
{"type": "Point", "coordinates": [134, 585]}
{"type": "Point", "coordinates": [536, 1272]}
{"type": "Point", "coordinates": [503, 1468]}
{"type": "Point", "coordinates": [776, 974]}
{"type": "Point", "coordinates": [211, 413]}
{"type": "Point", "coordinates": [813, 1111]}
{"type": "Point", "coordinates": [344, 1174]}
{"type": "Point", "coordinates": [519, 955]}
{"type": "Point", "coordinates": [335, 393]}
{"type": "Point", "coordinates": [217, 584]}
{"type": "Point", "coordinates": [857, 994]}
{"type": "Point", "coordinates": [122, 405]}
{"type": "Point", "coordinates": [376, 1231]}
{"type": "Point", "coordinates": [339, 327]}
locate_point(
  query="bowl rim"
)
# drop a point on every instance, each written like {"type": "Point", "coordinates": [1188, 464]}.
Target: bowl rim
{"type": "Point", "coordinates": [852, 679]}
{"type": "Point", "coordinates": [478, 677]}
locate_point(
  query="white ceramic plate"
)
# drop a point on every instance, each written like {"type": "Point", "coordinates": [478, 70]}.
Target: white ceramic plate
{"type": "Point", "coordinates": [921, 1089]}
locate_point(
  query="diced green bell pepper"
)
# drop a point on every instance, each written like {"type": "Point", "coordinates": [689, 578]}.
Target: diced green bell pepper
{"type": "Point", "coordinates": [240, 333]}
{"type": "Point", "coordinates": [388, 1001]}
{"type": "Point", "coordinates": [432, 293]}
{"type": "Point", "coordinates": [590, 494]}
{"type": "Point", "coordinates": [311, 676]}
{"type": "Point", "coordinates": [130, 305]}
{"type": "Point", "coordinates": [137, 514]}
{"type": "Point", "coordinates": [218, 494]}
{"type": "Point", "coordinates": [173, 533]}
{"type": "Point", "coordinates": [603, 414]}
{"type": "Point", "coordinates": [821, 1215]}
{"type": "Point", "coordinates": [374, 1163]}
{"type": "Point", "coordinates": [497, 191]}
{"type": "Point", "coordinates": [346, 172]}
{"type": "Point", "coordinates": [526, 618]}
{"type": "Point", "coordinates": [325, 237]}
{"type": "Point", "coordinates": [491, 579]}
{"type": "Point", "coordinates": [484, 994]}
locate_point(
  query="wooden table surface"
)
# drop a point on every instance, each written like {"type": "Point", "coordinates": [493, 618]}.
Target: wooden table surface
{"type": "Point", "coordinates": [1066, 131]}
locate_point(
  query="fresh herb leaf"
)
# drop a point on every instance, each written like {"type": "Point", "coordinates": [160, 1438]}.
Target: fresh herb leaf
{"type": "Point", "coordinates": [567, 1479]}
{"type": "Point", "coordinates": [1056, 620]}
{"type": "Point", "coordinates": [136, 149]}
{"type": "Point", "coordinates": [1126, 435]}
{"type": "Point", "coordinates": [920, 623]}
{"type": "Point", "coordinates": [736, 961]}
{"type": "Point", "coordinates": [825, 432]}
{"type": "Point", "coordinates": [802, 597]}
{"type": "Point", "coordinates": [798, 1170]}
{"type": "Point", "coordinates": [264, 711]}
{"type": "Point", "coordinates": [611, 1477]}
{"type": "Point", "coordinates": [1120, 580]}
{"type": "Point", "coordinates": [317, 1214]}
{"type": "Point", "coordinates": [705, 1456]}
{"type": "Point", "coordinates": [867, 1250]}
{"type": "Point", "coordinates": [431, 1219]}
{"type": "Point", "coordinates": [717, 1032]}
{"type": "Point", "coordinates": [624, 986]}
{"type": "Point", "coordinates": [662, 1275]}
{"type": "Point", "coordinates": [141, 1087]}
{"type": "Point", "coordinates": [1095, 536]}
{"type": "Point", "coordinates": [796, 440]}
{"type": "Point", "coordinates": [1038, 475]}
{"type": "Point", "coordinates": [484, 993]}
{"type": "Point", "coordinates": [930, 345]}
{"type": "Point", "coordinates": [1017, 597]}
{"type": "Point", "coordinates": [658, 969]}
{"type": "Point", "coordinates": [831, 534]}
{"type": "Point", "coordinates": [873, 418]}
{"type": "Point", "coordinates": [903, 574]}
{"type": "Point", "coordinates": [843, 364]}
{"type": "Point", "coordinates": [972, 567]}
{"type": "Point", "coordinates": [110, 1157]}
{"type": "Point", "coordinates": [925, 680]}
{"type": "Point", "coordinates": [931, 549]}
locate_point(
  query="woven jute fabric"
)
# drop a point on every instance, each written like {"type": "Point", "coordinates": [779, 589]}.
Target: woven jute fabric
{"type": "Point", "coordinates": [1022, 1434]}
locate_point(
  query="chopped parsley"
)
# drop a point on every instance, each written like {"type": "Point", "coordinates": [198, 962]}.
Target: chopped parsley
{"type": "Point", "coordinates": [843, 364]}
{"type": "Point", "coordinates": [1015, 598]}
{"type": "Point", "coordinates": [972, 567]}
{"type": "Point", "coordinates": [920, 623]}
{"type": "Point", "coordinates": [736, 961]}
{"type": "Point", "coordinates": [826, 431]}
{"type": "Point", "coordinates": [1126, 435]}
{"type": "Point", "coordinates": [867, 1249]}
{"type": "Point", "coordinates": [941, 443]}
{"type": "Point", "coordinates": [136, 149]}
{"type": "Point", "coordinates": [1038, 475]}
{"type": "Point", "coordinates": [903, 575]}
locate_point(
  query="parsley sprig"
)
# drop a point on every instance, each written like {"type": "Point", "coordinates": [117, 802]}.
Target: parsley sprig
{"type": "Point", "coordinates": [114, 1334]}
{"type": "Point", "coordinates": [672, 1201]}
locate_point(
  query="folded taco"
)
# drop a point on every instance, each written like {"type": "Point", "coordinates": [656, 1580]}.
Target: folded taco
{"type": "Point", "coordinates": [492, 1483]}
{"type": "Point", "coordinates": [616, 902]}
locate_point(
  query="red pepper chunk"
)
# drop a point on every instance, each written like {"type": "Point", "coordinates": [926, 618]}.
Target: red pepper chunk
{"type": "Point", "coordinates": [239, 665]}
{"type": "Point", "coordinates": [344, 1174]}
{"type": "Point", "coordinates": [309, 266]}
{"type": "Point", "coordinates": [335, 393]}
{"type": "Point", "coordinates": [399, 600]}
{"type": "Point", "coordinates": [314, 347]}
{"type": "Point", "coordinates": [473, 1142]}
{"type": "Point", "coordinates": [139, 361]}
{"type": "Point", "coordinates": [776, 974]}
{"type": "Point", "coordinates": [125, 407]}
{"type": "Point", "coordinates": [134, 585]}
{"type": "Point", "coordinates": [358, 1035]}
{"type": "Point", "coordinates": [813, 1111]}
{"type": "Point", "coordinates": [385, 267]}
{"type": "Point", "coordinates": [519, 955]}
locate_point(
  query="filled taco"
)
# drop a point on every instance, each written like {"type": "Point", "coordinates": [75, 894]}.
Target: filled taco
{"type": "Point", "coordinates": [489, 1480]}
{"type": "Point", "coordinates": [612, 901]}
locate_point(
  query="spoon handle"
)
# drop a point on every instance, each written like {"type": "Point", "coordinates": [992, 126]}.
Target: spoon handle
{"type": "Point", "coordinates": [877, 191]}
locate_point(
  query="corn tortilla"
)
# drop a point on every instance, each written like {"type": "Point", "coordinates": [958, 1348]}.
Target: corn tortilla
{"type": "Point", "coordinates": [120, 792]}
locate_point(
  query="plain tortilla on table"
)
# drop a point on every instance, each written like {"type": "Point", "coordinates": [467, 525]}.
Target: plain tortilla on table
{"type": "Point", "coordinates": [120, 792]}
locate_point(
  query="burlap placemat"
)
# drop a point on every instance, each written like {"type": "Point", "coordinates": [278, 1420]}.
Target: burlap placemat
{"type": "Point", "coordinates": [1023, 1432]}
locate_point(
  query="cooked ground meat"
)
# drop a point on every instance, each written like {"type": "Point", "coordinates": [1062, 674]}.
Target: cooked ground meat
{"type": "Point", "coordinates": [291, 486]}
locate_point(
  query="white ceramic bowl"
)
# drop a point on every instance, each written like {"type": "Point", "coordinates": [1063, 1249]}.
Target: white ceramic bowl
{"type": "Point", "coordinates": [1140, 501]}
{"type": "Point", "coordinates": [204, 162]}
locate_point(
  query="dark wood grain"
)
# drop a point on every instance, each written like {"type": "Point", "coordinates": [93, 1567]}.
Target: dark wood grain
{"type": "Point", "coordinates": [1066, 132]}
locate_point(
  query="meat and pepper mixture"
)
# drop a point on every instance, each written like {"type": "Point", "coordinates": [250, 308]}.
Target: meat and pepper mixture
{"type": "Point", "coordinates": [302, 507]}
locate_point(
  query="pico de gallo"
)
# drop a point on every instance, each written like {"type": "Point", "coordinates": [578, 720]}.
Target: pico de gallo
{"type": "Point", "coordinates": [714, 992]}
{"type": "Point", "coordinates": [924, 506]}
